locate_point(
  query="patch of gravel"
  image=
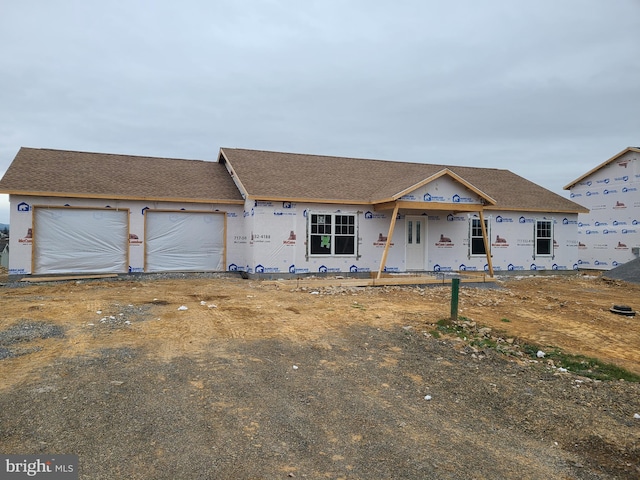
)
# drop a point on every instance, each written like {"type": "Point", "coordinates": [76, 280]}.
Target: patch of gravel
{"type": "Point", "coordinates": [628, 272]}
{"type": "Point", "coordinates": [29, 330]}
{"type": "Point", "coordinates": [120, 316]}
{"type": "Point", "coordinates": [16, 282]}
{"type": "Point", "coordinates": [13, 339]}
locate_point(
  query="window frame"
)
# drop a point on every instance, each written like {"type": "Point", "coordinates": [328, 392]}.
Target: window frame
{"type": "Point", "coordinates": [340, 229]}
{"type": "Point", "coordinates": [487, 222]}
{"type": "Point", "coordinates": [539, 238]}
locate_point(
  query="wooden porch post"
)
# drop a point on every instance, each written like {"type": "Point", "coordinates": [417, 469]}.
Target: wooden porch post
{"type": "Point", "coordinates": [486, 242]}
{"type": "Point", "coordinates": [383, 261]}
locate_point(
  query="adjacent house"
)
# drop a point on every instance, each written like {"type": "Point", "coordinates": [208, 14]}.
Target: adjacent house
{"type": "Point", "coordinates": [270, 212]}
{"type": "Point", "coordinates": [609, 233]}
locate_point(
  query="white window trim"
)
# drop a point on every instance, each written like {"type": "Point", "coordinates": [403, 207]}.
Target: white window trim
{"type": "Point", "coordinates": [535, 238]}
{"type": "Point", "coordinates": [356, 235]}
{"type": "Point", "coordinates": [470, 254]}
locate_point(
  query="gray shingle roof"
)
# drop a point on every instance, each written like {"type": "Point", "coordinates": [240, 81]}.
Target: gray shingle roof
{"type": "Point", "coordinates": [262, 175]}
{"type": "Point", "coordinates": [99, 175]}
{"type": "Point", "coordinates": [296, 177]}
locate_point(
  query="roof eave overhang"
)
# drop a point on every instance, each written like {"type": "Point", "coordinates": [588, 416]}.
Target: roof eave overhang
{"type": "Point", "coordinates": [538, 210]}
{"type": "Point", "coordinates": [149, 198]}
{"type": "Point", "coordinates": [342, 201]}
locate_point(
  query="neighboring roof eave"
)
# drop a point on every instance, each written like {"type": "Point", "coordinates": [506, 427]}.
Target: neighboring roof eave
{"type": "Point", "coordinates": [444, 171]}
{"type": "Point", "coordinates": [603, 164]}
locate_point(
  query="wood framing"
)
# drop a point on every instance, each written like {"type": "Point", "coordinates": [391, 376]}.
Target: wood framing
{"type": "Point", "coordinates": [485, 239]}
{"type": "Point", "coordinates": [392, 226]}
{"type": "Point", "coordinates": [431, 206]}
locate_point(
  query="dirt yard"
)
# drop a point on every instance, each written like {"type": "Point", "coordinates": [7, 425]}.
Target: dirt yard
{"type": "Point", "coordinates": [186, 378]}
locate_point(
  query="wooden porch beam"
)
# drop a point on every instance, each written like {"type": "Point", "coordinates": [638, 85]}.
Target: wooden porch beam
{"type": "Point", "coordinates": [486, 243]}
{"type": "Point", "coordinates": [392, 226]}
{"type": "Point", "coordinates": [440, 206]}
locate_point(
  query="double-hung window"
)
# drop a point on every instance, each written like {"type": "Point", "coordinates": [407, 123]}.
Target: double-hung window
{"type": "Point", "coordinates": [333, 234]}
{"type": "Point", "coordinates": [544, 237]}
{"type": "Point", "coordinates": [476, 239]}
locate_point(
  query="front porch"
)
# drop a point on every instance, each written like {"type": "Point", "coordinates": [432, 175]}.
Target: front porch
{"type": "Point", "coordinates": [420, 208]}
{"type": "Point", "coordinates": [376, 279]}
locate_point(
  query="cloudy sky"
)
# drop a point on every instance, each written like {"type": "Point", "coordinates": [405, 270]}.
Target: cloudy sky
{"type": "Point", "coordinates": [548, 88]}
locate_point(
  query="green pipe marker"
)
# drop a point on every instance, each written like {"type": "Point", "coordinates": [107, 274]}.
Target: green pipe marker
{"type": "Point", "coordinates": [455, 286]}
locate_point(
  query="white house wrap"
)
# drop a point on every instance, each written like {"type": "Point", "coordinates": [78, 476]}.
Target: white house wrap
{"type": "Point", "coordinates": [80, 240]}
{"type": "Point", "coordinates": [609, 234]}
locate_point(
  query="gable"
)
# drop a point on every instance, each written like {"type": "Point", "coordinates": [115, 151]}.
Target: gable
{"type": "Point", "coordinates": [445, 187]}
{"type": "Point", "coordinates": [622, 167]}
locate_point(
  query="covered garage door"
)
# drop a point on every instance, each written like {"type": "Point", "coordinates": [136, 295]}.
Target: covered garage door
{"type": "Point", "coordinates": [184, 241]}
{"type": "Point", "coordinates": [80, 240]}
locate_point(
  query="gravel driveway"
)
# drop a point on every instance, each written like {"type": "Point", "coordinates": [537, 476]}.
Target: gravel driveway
{"type": "Point", "coordinates": [364, 399]}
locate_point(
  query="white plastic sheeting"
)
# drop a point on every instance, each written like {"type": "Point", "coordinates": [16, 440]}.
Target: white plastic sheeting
{"type": "Point", "coordinates": [71, 240]}
{"type": "Point", "coordinates": [184, 241]}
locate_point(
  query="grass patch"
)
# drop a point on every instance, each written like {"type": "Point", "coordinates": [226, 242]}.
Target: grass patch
{"type": "Point", "coordinates": [445, 326]}
{"type": "Point", "coordinates": [505, 320]}
{"type": "Point", "coordinates": [484, 343]}
{"type": "Point", "coordinates": [582, 365]}
{"type": "Point", "coordinates": [577, 364]}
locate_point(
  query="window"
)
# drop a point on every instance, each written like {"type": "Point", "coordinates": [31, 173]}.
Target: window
{"type": "Point", "coordinates": [476, 241]}
{"type": "Point", "coordinates": [332, 234]}
{"type": "Point", "coordinates": [544, 237]}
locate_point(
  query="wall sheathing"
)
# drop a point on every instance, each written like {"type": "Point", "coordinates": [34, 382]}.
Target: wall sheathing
{"type": "Point", "coordinates": [276, 235]}
{"type": "Point", "coordinates": [21, 218]}
{"type": "Point", "coordinates": [608, 233]}
{"type": "Point", "coordinates": [268, 237]}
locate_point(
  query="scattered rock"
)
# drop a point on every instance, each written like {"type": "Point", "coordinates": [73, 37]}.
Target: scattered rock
{"type": "Point", "coordinates": [484, 331]}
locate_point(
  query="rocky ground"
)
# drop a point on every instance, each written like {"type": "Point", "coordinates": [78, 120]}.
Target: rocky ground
{"type": "Point", "coordinates": [206, 377]}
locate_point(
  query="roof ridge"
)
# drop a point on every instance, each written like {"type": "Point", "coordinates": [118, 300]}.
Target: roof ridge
{"type": "Point", "coordinates": [360, 158]}
{"type": "Point", "coordinates": [84, 152]}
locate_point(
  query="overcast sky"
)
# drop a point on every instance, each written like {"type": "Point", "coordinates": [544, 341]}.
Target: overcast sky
{"type": "Point", "coordinates": [547, 89]}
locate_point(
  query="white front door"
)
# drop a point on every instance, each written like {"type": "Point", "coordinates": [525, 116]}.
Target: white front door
{"type": "Point", "coordinates": [415, 237]}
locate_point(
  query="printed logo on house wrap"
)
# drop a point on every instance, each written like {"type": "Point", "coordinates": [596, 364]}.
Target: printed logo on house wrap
{"type": "Point", "coordinates": [458, 199]}
{"type": "Point", "coordinates": [427, 197]}
{"type": "Point", "coordinates": [51, 467]}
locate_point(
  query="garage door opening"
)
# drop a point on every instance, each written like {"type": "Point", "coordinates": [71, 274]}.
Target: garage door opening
{"type": "Point", "coordinates": [80, 240]}
{"type": "Point", "coordinates": [184, 241]}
